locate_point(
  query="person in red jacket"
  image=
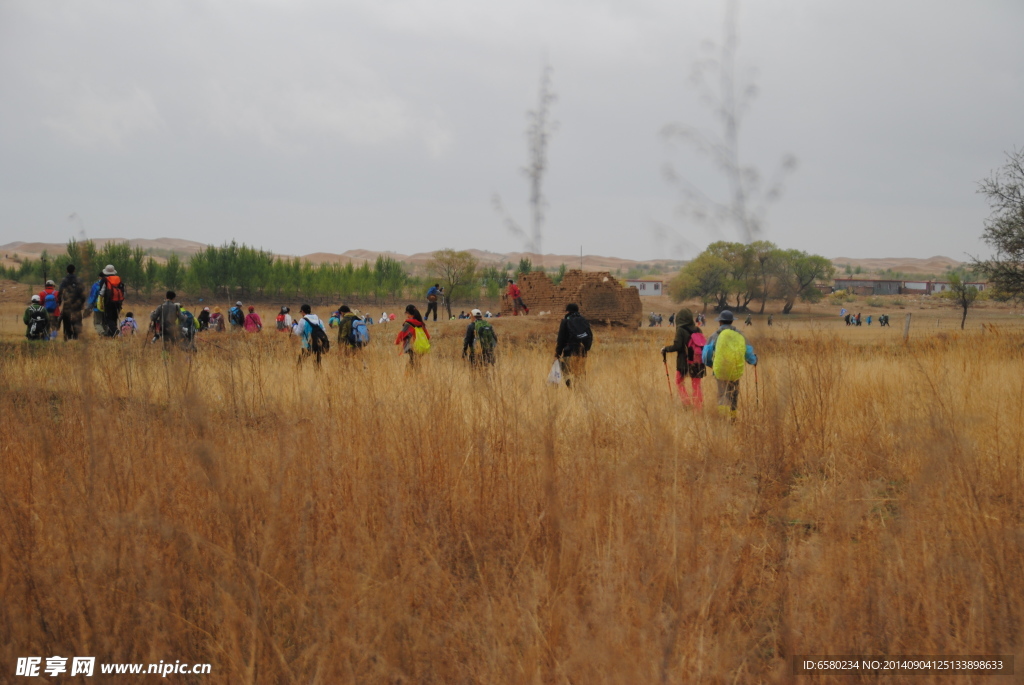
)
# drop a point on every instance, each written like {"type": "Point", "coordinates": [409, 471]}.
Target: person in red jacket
{"type": "Point", "coordinates": [253, 323]}
{"type": "Point", "coordinates": [516, 296]}
{"type": "Point", "coordinates": [412, 329]}
{"type": "Point", "coordinates": [52, 307]}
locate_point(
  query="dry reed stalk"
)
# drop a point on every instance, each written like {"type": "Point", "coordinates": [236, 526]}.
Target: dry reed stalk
{"type": "Point", "coordinates": [363, 524]}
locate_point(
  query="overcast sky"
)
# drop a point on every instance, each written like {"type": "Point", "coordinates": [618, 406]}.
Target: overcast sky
{"type": "Point", "coordinates": [308, 125]}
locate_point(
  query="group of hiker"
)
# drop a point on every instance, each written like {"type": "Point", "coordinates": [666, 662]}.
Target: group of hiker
{"type": "Point", "coordinates": [64, 306]}
{"type": "Point", "coordinates": [725, 353]}
{"type": "Point", "coordinates": [856, 320]}
{"type": "Point", "coordinates": [749, 321]}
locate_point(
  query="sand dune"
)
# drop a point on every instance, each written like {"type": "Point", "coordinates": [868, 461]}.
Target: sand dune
{"type": "Point", "coordinates": [912, 265]}
{"type": "Point", "coordinates": [34, 250]}
{"type": "Point", "coordinates": [487, 258]}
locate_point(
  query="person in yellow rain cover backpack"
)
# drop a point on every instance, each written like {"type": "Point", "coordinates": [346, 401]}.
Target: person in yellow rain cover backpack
{"type": "Point", "coordinates": [726, 353]}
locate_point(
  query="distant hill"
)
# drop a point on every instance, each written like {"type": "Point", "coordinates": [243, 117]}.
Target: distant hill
{"type": "Point", "coordinates": [486, 258]}
{"type": "Point", "coordinates": [161, 247]}
{"type": "Point", "coordinates": [907, 265]}
{"type": "Point", "coordinates": [164, 247]}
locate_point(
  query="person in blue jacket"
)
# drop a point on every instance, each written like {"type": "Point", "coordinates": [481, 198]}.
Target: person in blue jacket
{"type": "Point", "coordinates": [729, 372]}
{"type": "Point", "coordinates": [433, 296]}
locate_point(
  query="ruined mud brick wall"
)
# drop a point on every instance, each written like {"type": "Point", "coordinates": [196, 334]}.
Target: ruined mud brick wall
{"type": "Point", "coordinates": [601, 298]}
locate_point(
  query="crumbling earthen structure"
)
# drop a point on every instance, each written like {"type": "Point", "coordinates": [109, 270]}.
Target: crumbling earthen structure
{"type": "Point", "coordinates": [601, 298]}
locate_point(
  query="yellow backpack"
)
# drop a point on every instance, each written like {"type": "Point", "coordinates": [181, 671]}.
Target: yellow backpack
{"type": "Point", "coordinates": [420, 342]}
{"type": "Point", "coordinates": [730, 356]}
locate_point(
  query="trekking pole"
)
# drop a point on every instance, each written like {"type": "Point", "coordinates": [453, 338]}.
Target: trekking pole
{"type": "Point", "coordinates": [757, 389]}
{"type": "Point", "coordinates": [664, 360]}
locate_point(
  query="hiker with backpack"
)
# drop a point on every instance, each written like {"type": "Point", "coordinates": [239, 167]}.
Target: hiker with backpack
{"type": "Point", "coordinates": [253, 323]}
{"type": "Point", "coordinates": [414, 338]}
{"type": "Point", "coordinates": [575, 338]}
{"type": "Point", "coordinates": [37, 320]}
{"type": "Point", "coordinates": [93, 306]}
{"type": "Point", "coordinates": [48, 298]}
{"type": "Point", "coordinates": [689, 349]}
{"type": "Point", "coordinates": [111, 296]}
{"type": "Point", "coordinates": [188, 330]}
{"type": "Point", "coordinates": [515, 295]}
{"type": "Point", "coordinates": [481, 331]}
{"type": "Point", "coordinates": [352, 331]}
{"type": "Point", "coordinates": [284, 320]}
{"type": "Point", "coordinates": [433, 296]}
{"type": "Point", "coordinates": [217, 324]}
{"type": "Point", "coordinates": [166, 320]}
{"type": "Point", "coordinates": [748, 321]}
{"type": "Point", "coordinates": [310, 330]}
{"type": "Point", "coordinates": [236, 317]}
{"type": "Point", "coordinates": [71, 300]}
{"type": "Point", "coordinates": [128, 327]}
{"type": "Point", "coordinates": [726, 353]}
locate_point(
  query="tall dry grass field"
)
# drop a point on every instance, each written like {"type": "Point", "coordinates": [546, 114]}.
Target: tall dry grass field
{"type": "Point", "coordinates": [361, 523]}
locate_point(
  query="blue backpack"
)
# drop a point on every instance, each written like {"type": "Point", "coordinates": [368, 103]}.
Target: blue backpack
{"type": "Point", "coordinates": [360, 335]}
{"type": "Point", "coordinates": [50, 303]}
{"type": "Point", "coordinates": [188, 323]}
{"type": "Point", "coordinates": [236, 316]}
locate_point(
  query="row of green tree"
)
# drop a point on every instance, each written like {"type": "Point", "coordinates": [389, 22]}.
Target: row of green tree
{"type": "Point", "coordinates": [234, 270]}
{"type": "Point", "coordinates": [733, 275]}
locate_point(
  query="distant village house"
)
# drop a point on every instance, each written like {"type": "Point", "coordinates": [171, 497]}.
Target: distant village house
{"type": "Point", "coordinates": [873, 286]}
{"type": "Point", "coordinates": [646, 287]}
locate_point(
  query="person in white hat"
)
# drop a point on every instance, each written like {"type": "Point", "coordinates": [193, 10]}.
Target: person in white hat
{"type": "Point", "coordinates": [479, 331]}
{"type": "Point", "coordinates": [204, 319]}
{"type": "Point", "coordinates": [112, 294]}
{"type": "Point", "coordinates": [37, 320]}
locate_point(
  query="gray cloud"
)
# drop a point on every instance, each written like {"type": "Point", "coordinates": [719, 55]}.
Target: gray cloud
{"type": "Point", "coordinates": [304, 126]}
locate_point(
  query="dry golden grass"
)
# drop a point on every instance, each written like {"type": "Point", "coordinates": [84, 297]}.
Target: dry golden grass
{"type": "Point", "coordinates": [364, 524]}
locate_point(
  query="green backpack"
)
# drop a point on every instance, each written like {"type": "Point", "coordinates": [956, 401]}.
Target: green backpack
{"type": "Point", "coordinates": [730, 356]}
{"type": "Point", "coordinates": [485, 334]}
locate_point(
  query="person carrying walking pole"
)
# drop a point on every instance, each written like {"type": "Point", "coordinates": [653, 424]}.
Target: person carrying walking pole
{"type": "Point", "coordinates": [689, 349]}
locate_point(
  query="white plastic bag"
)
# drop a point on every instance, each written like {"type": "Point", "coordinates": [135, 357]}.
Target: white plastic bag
{"type": "Point", "coordinates": [556, 373]}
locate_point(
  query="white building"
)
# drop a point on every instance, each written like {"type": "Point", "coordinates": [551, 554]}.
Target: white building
{"type": "Point", "coordinates": [646, 287]}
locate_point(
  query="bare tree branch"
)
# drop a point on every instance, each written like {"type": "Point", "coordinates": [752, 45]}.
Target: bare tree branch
{"type": "Point", "coordinates": [729, 93]}
{"type": "Point", "coordinates": [539, 131]}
